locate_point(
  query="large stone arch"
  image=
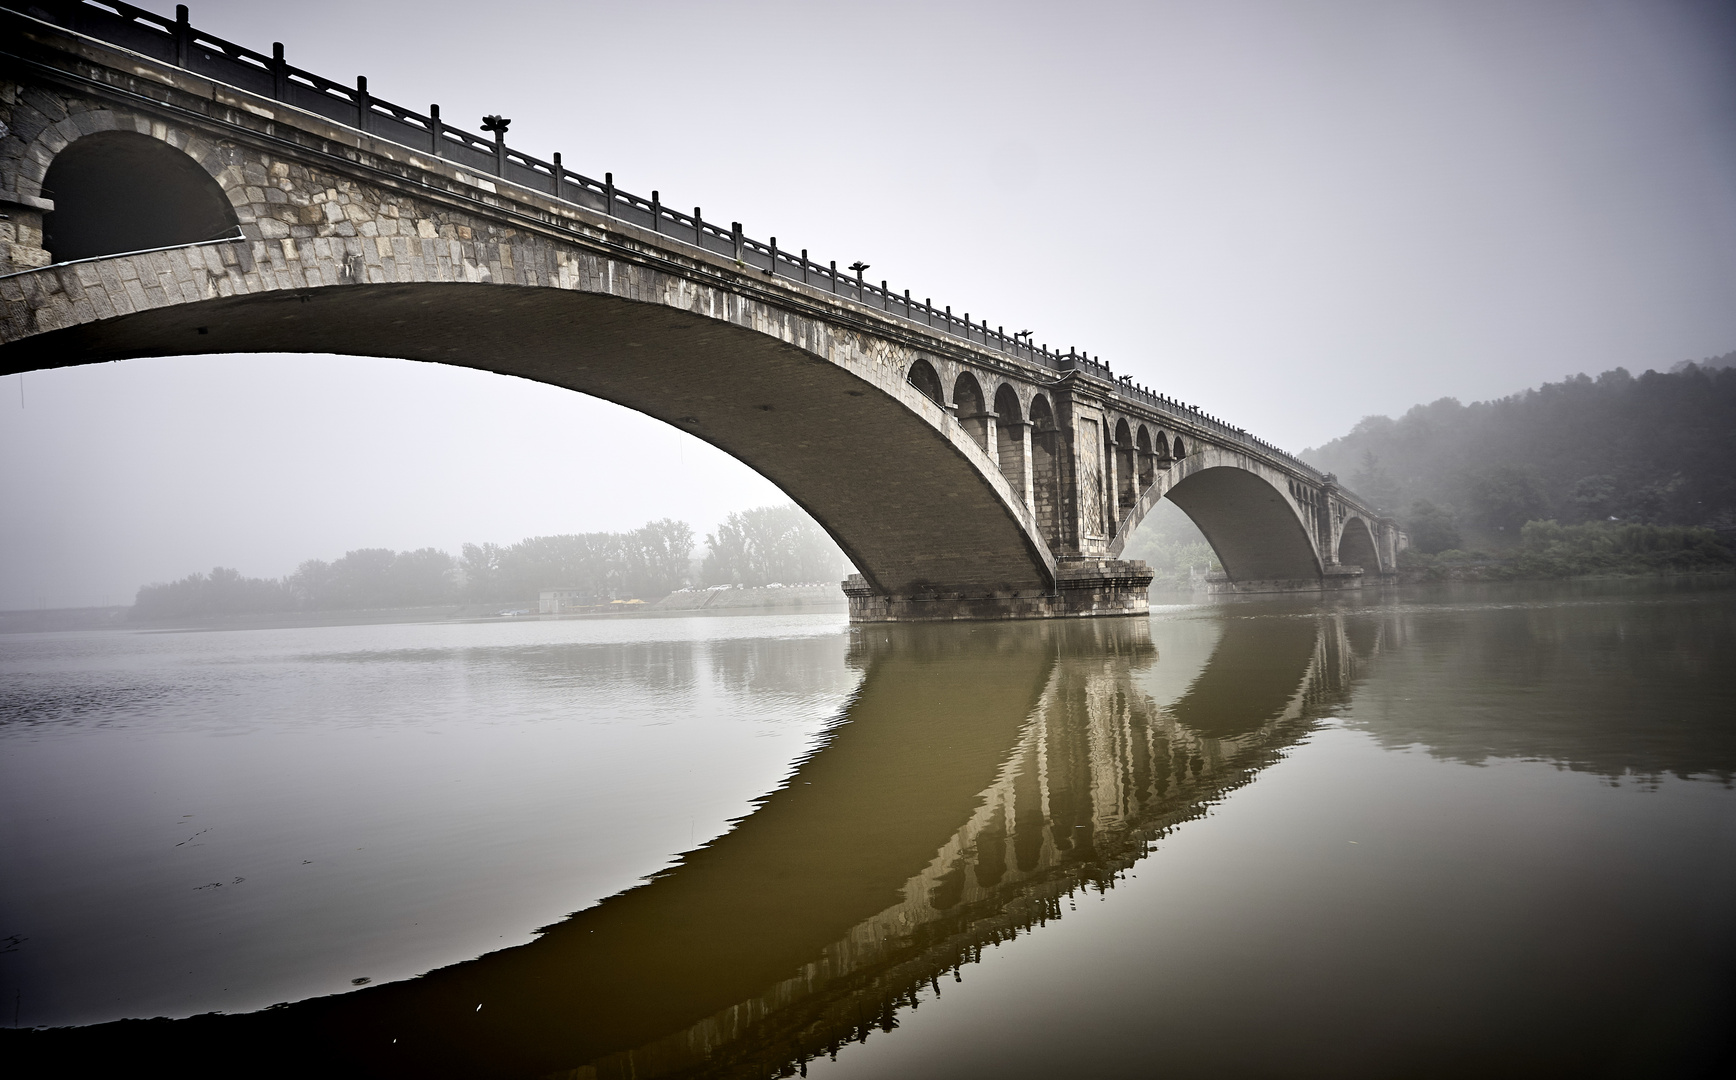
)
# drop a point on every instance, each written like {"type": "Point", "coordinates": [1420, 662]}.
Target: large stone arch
{"type": "Point", "coordinates": [1243, 507]}
{"type": "Point", "coordinates": [1357, 546]}
{"type": "Point", "coordinates": [329, 264]}
{"type": "Point", "coordinates": [351, 243]}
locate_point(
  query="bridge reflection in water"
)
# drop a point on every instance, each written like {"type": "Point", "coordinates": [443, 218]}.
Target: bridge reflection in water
{"type": "Point", "coordinates": [979, 776]}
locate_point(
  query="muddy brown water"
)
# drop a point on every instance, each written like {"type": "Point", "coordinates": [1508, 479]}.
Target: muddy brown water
{"type": "Point", "coordinates": [1460, 831]}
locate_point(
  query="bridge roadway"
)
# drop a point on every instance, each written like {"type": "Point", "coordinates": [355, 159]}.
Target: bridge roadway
{"type": "Point", "coordinates": [170, 193]}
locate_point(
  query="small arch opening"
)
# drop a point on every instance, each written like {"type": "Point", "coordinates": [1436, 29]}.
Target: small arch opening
{"type": "Point", "coordinates": [120, 191]}
{"type": "Point", "coordinates": [923, 377]}
{"type": "Point", "coordinates": [1160, 450]}
{"type": "Point", "coordinates": [973, 414]}
{"type": "Point", "coordinates": [1142, 447]}
{"type": "Point", "coordinates": [1010, 440]}
{"type": "Point", "coordinates": [1046, 471]}
{"type": "Point", "coordinates": [1126, 478]}
{"type": "Point", "coordinates": [1179, 449]}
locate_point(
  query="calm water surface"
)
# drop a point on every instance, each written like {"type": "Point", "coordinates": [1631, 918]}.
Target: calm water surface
{"type": "Point", "coordinates": [1436, 833]}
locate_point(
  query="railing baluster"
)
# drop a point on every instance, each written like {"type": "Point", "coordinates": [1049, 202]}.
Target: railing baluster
{"type": "Point", "coordinates": [362, 109]}
{"type": "Point", "coordinates": [558, 169]}
{"type": "Point", "coordinates": [735, 235]}
{"type": "Point", "coordinates": [656, 212]}
{"type": "Point", "coordinates": [279, 77]}
{"type": "Point", "coordinates": [834, 277]}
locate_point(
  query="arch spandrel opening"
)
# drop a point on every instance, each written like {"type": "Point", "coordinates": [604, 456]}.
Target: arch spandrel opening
{"type": "Point", "coordinates": [1010, 440]}
{"type": "Point", "coordinates": [1126, 469]}
{"type": "Point", "coordinates": [973, 413]}
{"type": "Point", "coordinates": [1250, 525]}
{"type": "Point", "coordinates": [1046, 471]}
{"type": "Point", "coordinates": [120, 191]}
{"type": "Point", "coordinates": [923, 376]}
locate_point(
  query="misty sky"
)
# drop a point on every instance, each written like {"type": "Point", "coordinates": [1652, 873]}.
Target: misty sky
{"type": "Point", "coordinates": [1291, 213]}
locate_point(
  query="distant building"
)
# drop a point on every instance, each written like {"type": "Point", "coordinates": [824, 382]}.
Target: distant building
{"type": "Point", "coordinates": [561, 601]}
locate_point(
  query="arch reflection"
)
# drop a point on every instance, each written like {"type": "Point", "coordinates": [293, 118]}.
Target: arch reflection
{"type": "Point", "coordinates": [980, 774]}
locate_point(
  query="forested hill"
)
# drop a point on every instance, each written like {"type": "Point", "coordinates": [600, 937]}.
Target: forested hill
{"type": "Point", "coordinates": [1659, 448]}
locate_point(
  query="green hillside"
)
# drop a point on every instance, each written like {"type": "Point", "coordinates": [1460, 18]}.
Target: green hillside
{"type": "Point", "coordinates": [1657, 449]}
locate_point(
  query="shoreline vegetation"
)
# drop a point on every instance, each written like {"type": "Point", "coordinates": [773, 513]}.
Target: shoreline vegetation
{"type": "Point", "coordinates": [1549, 550]}
{"type": "Point", "coordinates": [765, 547]}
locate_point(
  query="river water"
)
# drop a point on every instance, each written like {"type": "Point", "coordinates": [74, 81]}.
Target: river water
{"type": "Point", "coordinates": [1470, 831]}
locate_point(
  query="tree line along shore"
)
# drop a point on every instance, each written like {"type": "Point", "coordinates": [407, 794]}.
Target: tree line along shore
{"type": "Point", "coordinates": [753, 548]}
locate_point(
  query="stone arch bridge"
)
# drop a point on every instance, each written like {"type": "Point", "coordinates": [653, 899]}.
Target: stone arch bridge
{"type": "Point", "coordinates": [170, 193]}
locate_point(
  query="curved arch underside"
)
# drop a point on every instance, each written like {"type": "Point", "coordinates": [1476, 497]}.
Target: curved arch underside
{"type": "Point", "coordinates": [1249, 524]}
{"type": "Point", "coordinates": [881, 478]}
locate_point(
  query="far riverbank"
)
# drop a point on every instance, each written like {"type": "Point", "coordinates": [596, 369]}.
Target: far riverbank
{"type": "Point", "coordinates": [806, 599]}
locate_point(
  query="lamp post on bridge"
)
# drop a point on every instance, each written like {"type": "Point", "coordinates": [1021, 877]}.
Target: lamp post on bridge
{"type": "Point", "coordinates": [498, 124]}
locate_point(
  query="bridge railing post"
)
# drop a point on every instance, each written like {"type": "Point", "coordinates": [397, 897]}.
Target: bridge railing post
{"type": "Point", "coordinates": [183, 35]}
{"type": "Point", "coordinates": [735, 238]}
{"type": "Point", "coordinates": [279, 73]}
{"type": "Point", "coordinates": [362, 107]}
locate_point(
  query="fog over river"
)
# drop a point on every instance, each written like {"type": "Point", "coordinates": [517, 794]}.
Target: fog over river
{"type": "Point", "coordinates": [1446, 832]}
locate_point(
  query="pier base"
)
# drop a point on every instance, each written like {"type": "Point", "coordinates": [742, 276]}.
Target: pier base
{"type": "Point", "coordinates": [1084, 589]}
{"type": "Point", "coordinates": [1334, 578]}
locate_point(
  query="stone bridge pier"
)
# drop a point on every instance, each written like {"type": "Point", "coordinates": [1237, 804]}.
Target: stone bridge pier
{"type": "Point", "coordinates": [167, 192]}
